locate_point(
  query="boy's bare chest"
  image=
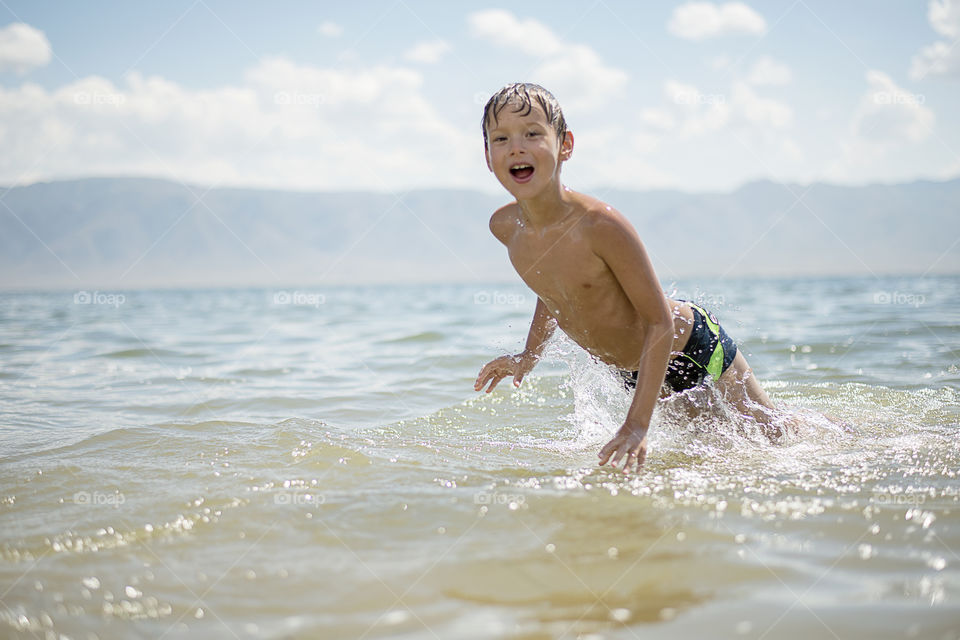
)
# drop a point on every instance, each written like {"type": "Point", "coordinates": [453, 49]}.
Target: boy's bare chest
{"type": "Point", "coordinates": [560, 269]}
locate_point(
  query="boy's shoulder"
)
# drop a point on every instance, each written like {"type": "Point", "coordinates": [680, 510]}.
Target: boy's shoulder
{"type": "Point", "coordinates": [597, 214]}
{"type": "Point", "coordinates": [603, 226]}
{"type": "Point", "coordinates": [504, 220]}
{"type": "Point", "coordinates": [593, 214]}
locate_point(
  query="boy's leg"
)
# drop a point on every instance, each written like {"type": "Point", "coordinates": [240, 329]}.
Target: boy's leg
{"type": "Point", "coordinates": [741, 388]}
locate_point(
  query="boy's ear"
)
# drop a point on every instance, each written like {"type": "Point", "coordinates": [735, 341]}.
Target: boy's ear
{"type": "Point", "coordinates": [566, 146]}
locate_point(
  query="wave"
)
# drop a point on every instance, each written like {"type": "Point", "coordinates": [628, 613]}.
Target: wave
{"type": "Point", "coordinates": [423, 336]}
{"type": "Point", "coordinates": [145, 352]}
{"type": "Point", "coordinates": [265, 373]}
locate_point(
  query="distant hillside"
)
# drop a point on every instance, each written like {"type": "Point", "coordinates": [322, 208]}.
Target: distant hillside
{"type": "Point", "coordinates": [131, 232]}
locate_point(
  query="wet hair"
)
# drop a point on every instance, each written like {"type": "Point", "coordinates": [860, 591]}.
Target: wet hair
{"type": "Point", "coordinates": [522, 96]}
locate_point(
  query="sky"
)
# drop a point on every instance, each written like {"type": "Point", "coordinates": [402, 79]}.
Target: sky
{"type": "Point", "coordinates": [388, 95]}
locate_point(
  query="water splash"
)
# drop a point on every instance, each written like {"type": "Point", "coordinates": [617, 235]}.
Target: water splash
{"type": "Point", "coordinates": [696, 424]}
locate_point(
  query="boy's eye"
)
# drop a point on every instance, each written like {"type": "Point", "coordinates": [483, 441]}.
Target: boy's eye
{"type": "Point", "coordinates": [499, 138]}
{"type": "Point", "coordinates": [533, 134]}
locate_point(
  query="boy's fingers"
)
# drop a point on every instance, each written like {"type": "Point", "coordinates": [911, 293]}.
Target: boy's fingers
{"type": "Point", "coordinates": [486, 374]}
{"type": "Point", "coordinates": [609, 453]}
{"type": "Point", "coordinates": [613, 451]}
{"type": "Point", "coordinates": [481, 376]}
{"type": "Point", "coordinates": [481, 380]}
{"type": "Point", "coordinates": [615, 458]}
{"type": "Point", "coordinates": [488, 371]}
{"type": "Point", "coordinates": [638, 456]}
{"type": "Point", "coordinates": [604, 455]}
{"type": "Point", "coordinates": [496, 380]}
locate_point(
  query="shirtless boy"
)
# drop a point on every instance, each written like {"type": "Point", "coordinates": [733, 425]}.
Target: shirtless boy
{"type": "Point", "coordinates": [594, 280]}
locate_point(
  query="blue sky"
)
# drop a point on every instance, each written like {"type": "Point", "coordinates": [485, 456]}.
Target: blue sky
{"type": "Point", "coordinates": [387, 95]}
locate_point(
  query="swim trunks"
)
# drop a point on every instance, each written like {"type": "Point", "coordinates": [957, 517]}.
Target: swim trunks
{"type": "Point", "coordinates": [709, 351]}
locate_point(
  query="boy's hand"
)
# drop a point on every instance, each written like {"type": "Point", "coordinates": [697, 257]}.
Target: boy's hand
{"type": "Point", "coordinates": [496, 370]}
{"type": "Point", "coordinates": [629, 444]}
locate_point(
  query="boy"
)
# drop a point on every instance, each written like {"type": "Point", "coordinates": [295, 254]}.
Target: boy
{"type": "Point", "coordinates": [594, 280]}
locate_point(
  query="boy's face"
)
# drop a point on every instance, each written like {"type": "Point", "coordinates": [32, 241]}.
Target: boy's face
{"type": "Point", "coordinates": [523, 151]}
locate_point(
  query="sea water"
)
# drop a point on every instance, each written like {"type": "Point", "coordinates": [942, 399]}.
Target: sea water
{"type": "Point", "coordinates": [314, 463]}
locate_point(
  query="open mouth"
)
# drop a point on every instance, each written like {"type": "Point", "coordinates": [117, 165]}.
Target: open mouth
{"type": "Point", "coordinates": [521, 172]}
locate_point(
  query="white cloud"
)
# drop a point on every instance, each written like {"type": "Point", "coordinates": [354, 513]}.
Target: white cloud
{"type": "Point", "coordinates": [940, 58]}
{"type": "Point", "coordinates": [949, 172]}
{"type": "Point", "coordinates": [23, 48]}
{"type": "Point", "coordinates": [504, 29]}
{"type": "Point", "coordinates": [695, 112]}
{"type": "Point", "coordinates": [575, 73]}
{"type": "Point", "coordinates": [605, 156]}
{"type": "Point", "coordinates": [767, 71]}
{"type": "Point", "coordinates": [944, 16]}
{"type": "Point", "coordinates": [687, 97]}
{"type": "Point", "coordinates": [581, 77]}
{"type": "Point", "coordinates": [428, 52]}
{"type": "Point", "coordinates": [756, 111]}
{"type": "Point", "coordinates": [284, 126]}
{"type": "Point", "coordinates": [890, 114]}
{"type": "Point", "coordinates": [887, 122]}
{"type": "Point", "coordinates": [688, 113]}
{"type": "Point", "coordinates": [700, 20]}
{"type": "Point", "coordinates": [330, 29]}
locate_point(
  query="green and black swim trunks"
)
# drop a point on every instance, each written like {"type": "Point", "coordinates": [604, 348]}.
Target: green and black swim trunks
{"type": "Point", "coordinates": [709, 351]}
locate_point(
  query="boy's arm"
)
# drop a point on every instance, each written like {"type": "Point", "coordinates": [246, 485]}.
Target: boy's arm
{"type": "Point", "coordinates": [617, 243]}
{"type": "Point", "coordinates": [541, 328]}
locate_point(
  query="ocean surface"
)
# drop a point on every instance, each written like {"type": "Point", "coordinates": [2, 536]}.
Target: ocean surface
{"type": "Point", "coordinates": [314, 463]}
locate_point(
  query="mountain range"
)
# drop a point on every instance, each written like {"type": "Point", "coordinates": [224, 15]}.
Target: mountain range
{"type": "Point", "coordinates": [141, 232]}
